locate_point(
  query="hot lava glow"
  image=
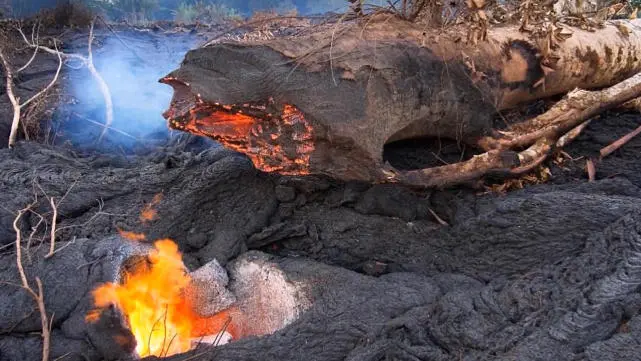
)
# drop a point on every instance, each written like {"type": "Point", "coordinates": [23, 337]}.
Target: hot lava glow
{"type": "Point", "coordinates": [276, 138]}
{"type": "Point", "coordinates": [149, 213]}
{"type": "Point", "coordinates": [151, 297]}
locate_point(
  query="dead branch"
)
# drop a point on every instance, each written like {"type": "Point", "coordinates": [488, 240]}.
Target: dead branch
{"type": "Point", "coordinates": [12, 98]}
{"type": "Point", "coordinates": [590, 164]}
{"type": "Point", "coordinates": [591, 169]}
{"type": "Point", "coordinates": [571, 135]}
{"type": "Point", "coordinates": [52, 241]}
{"type": "Point", "coordinates": [39, 296]}
{"type": "Point", "coordinates": [35, 50]}
{"type": "Point", "coordinates": [104, 88]}
{"type": "Point", "coordinates": [86, 61]}
{"type": "Point", "coordinates": [15, 102]}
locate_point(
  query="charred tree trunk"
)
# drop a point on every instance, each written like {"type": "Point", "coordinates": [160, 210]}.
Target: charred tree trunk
{"type": "Point", "coordinates": [328, 102]}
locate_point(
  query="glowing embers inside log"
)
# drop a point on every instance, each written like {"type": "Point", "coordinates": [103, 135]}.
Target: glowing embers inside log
{"type": "Point", "coordinates": [280, 143]}
{"type": "Point", "coordinates": [151, 296]}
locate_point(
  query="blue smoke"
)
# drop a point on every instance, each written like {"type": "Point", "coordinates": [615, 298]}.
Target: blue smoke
{"type": "Point", "coordinates": [131, 65]}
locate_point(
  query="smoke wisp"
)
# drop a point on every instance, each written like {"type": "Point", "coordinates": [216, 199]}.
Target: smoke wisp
{"type": "Point", "coordinates": [131, 65]}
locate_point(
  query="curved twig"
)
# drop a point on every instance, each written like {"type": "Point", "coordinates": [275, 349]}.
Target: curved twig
{"type": "Point", "coordinates": [39, 296]}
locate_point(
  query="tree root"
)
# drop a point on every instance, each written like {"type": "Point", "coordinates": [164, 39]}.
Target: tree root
{"type": "Point", "coordinates": [541, 135]}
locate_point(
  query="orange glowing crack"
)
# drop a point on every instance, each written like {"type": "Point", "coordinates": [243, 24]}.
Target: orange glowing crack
{"type": "Point", "coordinates": [224, 123]}
{"type": "Point", "coordinates": [151, 298]}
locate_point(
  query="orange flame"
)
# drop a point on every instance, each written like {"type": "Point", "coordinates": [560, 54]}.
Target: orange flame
{"type": "Point", "coordinates": [132, 236]}
{"type": "Point", "coordinates": [151, 298]}
{"type": "Point", "coordinates": [149, 213]}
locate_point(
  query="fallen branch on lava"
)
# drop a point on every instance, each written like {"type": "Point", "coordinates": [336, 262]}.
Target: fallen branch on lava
{"type": "Point", "coordinates": [590, 164]}
{"type": "Point", "coordinates": [86, 61]}
{"type": "Point", "coordinates": [15, 102]}
{"type": "Point", "coordinates": [328, 102]}
{"type": "Point", "coordinates": [37, 296]}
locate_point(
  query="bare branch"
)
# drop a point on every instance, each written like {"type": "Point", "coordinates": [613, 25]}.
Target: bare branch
{"type": "Point", "coordinates": [35, 51]}
{"type": "Point", "coordinates": [53, 81]}
{"type": "Point", "coordinates": [39, 296]}
{"type": "Point", "coordinates": [15, 102]}
{"type": "Point", "coordinates": [16, 228]}
{"type": "Point", "coordinates": [52, 241]}
{"type": "Point", "coordinates": [591, 169]}
{"type": "Point", "coordinates": [12, 98]}
{"type": "Point", "coordinates": [605, 151]}
{"type": "Point", "coordinates": [34, 229]}
{"type": "Point", "coordinates": [46, 326]}
{"type": "Point", "coordinates": [571, 135]}
{"type": "Point", "coordinates": [86, 61]}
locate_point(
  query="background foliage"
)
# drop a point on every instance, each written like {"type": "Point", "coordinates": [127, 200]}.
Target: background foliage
{"type": "Point", "coordinates": [181, 10]}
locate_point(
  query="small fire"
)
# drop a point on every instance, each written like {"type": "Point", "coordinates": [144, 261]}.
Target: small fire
{"type": "Point", "coordinates": [151, 296]}
{"type": "Point", "coordinates": [132, 236]}
{"type": "Point", "coordinates": [149, 213]}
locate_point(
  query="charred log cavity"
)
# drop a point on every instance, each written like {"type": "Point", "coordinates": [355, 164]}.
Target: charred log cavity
{"type": "Point", "coordinates": [425, 152]}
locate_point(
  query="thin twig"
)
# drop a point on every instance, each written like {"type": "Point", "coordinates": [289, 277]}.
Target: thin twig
{"type": "Point", "coordinates": [16, 228]}
{"type": "Point", "coordinates": [438, 219]}
{"type": "Point", "coordinates": [591, 169]}
{"type": "Point", "coordinates": [35, 51]}
{"type": "Point", "coordinates": [34, 229]}
{"type": "Point", "coordinates": [45, 324]}
{"type": "Point", "coordinates": [15, 102]}
{"type": "Point", "coordinates": [52, 240]}
{"type": "Point", "coordinates": [104, 88]}
{"type": "Point", "coordinates": [38, 297]}
{"type": "Point", "coordinates": [605, 151]}
{"type": "Point", "coordinates": [568, 137]}
{"type": "Point", "coordinates": [104, 126]}
{"type": "Point", "coordinates": [53, 81]}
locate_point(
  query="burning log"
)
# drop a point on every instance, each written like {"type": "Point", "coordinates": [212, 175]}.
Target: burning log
{"type": "Point", "coordinates": [328, 102]}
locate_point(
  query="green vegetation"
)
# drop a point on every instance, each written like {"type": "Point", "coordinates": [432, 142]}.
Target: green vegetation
{"type": "Point", "coordinates": [186, 11]}
{"type": "Point", "coordinates": [204, 12]}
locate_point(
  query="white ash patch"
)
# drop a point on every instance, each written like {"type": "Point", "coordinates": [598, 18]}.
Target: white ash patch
{"type": "Point", "coordinates": [208, 289]}
{"type": "Point", "coordinates": [268, 301]}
